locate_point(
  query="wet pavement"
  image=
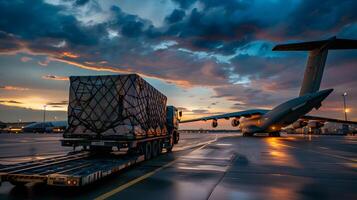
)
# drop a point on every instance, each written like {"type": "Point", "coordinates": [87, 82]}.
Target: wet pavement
{"type": "Point", "coordinates": [289, 167]}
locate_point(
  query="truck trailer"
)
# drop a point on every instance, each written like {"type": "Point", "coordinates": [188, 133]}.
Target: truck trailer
{"type": "Point", "coordinates": [118, 120]}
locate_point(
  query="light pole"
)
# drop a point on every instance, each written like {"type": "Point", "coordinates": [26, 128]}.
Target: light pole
{"type": "Point", "coordinates": [344, 104]}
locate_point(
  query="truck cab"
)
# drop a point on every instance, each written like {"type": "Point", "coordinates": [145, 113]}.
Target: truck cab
{"type": "Point", "coordinates": [173, 117]}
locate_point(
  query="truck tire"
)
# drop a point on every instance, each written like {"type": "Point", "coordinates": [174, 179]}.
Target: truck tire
{"type": "Point", "coordinates": [148, 151]}
{"type": "Point", "coordinates": [155, 148]}
{"type": "Point", "coordinates": [176, 137]}
{"type": "Point", "coordinates": [160, 147]}
{"type": "Point", "coordinates": [100, 150]}
{"type": "Point", "coordinates": [171, 145]}
{"type": "Point", "coordinates": [18, 184]}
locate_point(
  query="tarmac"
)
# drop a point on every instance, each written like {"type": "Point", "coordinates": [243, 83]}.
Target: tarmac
{"type": "Point", "coordinates": [209, 166]}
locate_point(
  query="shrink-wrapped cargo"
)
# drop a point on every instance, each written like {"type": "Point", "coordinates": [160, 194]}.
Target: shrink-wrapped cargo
{"type": "Point", "coordinates": [115, 107]}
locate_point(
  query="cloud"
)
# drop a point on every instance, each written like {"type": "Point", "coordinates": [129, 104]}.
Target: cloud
{"type": "Point", "coordinates": [25, 59]}
{"type": "Point", "coordinates": [57, 104]}
{"type": "Point", "coordinates": [184, 3]}
{"type": "Point", "coordinates": [28, 19]}
{"type": "Point", "coordinates": [10, 102]}
{"type": "Point", "coordinates": [81, 2]}
{"type": "Point", "coordinates": [222, 45]}
{"type": "Point", "coordinates": [54, 77]}
{"type": "Point", "coordinates": [200, 111]}
{"type": "Point", "coordinates": [9, 87]}
{"type": "Point", "coordinates": [183, 109]}
{"type": "Point", "coordinates": [176, 16]}
{"type": "Point", "coordinates": [8, 42]}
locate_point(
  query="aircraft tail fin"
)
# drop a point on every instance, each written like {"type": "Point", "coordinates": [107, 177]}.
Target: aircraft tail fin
{"type": "Point", "coordinates": [317, 57]}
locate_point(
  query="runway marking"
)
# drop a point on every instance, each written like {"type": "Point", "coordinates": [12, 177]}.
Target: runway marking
{"type": "Point", "coordinates": [336, 156]}
{"type": "Point", "coordinates": [195, 145]}
{"type": "Point", "coordinates": [145, 176]}
{"type": "Point", "coordinates": [323, 153]}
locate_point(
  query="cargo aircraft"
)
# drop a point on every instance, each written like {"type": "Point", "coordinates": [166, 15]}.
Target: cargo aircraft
{"type": "Point", "coordinates": [293, 111]}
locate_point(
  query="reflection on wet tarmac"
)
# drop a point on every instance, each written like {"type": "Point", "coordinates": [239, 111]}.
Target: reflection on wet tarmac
{"type": "Point", "coordinates": [289, 167]}
{"type": "Point", "coordinates": [279, 153]}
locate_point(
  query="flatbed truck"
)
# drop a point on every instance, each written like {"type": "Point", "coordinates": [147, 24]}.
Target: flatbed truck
{"type": "Point", "coordinates": [118, 121]}
{"type": "Point", "coordinates": [74, 170]}
{"type": "Point", "coordinates": [80, 168]}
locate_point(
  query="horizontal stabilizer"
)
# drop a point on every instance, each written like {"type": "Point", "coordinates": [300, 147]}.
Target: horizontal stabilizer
{"type": "Point", "coordinates": [332, 43]}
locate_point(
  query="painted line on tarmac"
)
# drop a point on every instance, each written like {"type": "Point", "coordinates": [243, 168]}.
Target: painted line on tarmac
{"type": "Point", "coordinates": [195, 145]}
{"type": "Point", "coordinates": [145, 176]}
{"type": "Point", "coordinates": [323, 153]}
{"type": "Point", "coordinates": [336, 156]}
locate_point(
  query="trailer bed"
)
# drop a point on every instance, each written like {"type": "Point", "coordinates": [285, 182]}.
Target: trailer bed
{"type": "Point", "coordinates": [72, 170]}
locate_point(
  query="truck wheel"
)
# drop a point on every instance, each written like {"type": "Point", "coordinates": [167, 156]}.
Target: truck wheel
{"type": "Point", "coordinates": [100, 150]}
{"type": "Point", "coordinates": [148, 149]}
{"type": "Point", "coordinates": [177, 137]}
{"type": "Point", "coordinates": [160, 147]}
{"type": "Point", "coordinates": [169, 149]}
{"type": "Point", "coordinates": [155, 149]}
{"type": "Point", "coordinates": [17, 183]}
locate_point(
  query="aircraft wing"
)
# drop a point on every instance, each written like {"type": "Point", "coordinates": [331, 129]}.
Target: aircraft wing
{"type": "Point", "coordinates": [309, 117]}
{"type": "Point", "coordinates": [246, 113]}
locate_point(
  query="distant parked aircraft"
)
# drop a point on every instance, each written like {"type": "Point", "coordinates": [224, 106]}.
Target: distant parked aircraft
{"type": "Point", "coordinates": [293, 111]}
{"type": "Point", "coordinates": [45, 127]}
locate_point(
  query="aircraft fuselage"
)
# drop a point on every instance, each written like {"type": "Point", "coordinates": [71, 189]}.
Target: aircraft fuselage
{"type": "Point", "coordinates": [284, 114]}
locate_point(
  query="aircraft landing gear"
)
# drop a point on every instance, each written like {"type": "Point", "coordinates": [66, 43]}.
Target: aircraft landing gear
{"type": "Point", "coordinates": [274, 134]}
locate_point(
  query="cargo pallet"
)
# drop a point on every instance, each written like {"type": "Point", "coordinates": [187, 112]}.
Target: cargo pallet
{"type": "Point", "coordinates": [73, 170]}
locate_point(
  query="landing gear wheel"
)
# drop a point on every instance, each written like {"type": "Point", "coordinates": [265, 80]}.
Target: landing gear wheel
{"type": "Point", "coordinates": [274, 134]}
{"type": "Point", "coordinates": [155, 149]}
{"type": "Point", "coordinates": [248, 134]}
{"type": "Point", "coordinates": [148, 150]}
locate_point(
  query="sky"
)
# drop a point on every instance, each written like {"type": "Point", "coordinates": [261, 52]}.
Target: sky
{"type": "Point", "coordinates": [208, 57]}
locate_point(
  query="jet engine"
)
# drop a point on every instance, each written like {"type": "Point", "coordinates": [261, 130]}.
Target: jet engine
{"type": "Point", "coordinates": [214, 123]}
{"type": "Point", "coordinates": [315, 124]}
{"type": "Point", "coordinates": [235, 122]}
{"type": "Point", "coordinates": [299, 124]}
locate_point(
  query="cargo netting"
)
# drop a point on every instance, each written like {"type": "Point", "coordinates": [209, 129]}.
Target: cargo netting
{"type": "Point", "coordinates": [123, 106]}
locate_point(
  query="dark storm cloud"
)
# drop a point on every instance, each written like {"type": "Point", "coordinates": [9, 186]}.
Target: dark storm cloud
{"type": "Point", "coordinates": [214, 28]}
{"type": "Point", "coordinates": [130, 25]}
{"type": "Point", "coordinates": [321, 16]}
{"type": "Point", "coordinates": [247, 97]}
{"type": "Point", "coordinates": [273, 72]}
{"type": "Point", "coordinates": [81, 2]}
{"type": "Point", "coordinates": [222, 26]}
{"type": "Point", "coordinates": [184, 3]}
{"type": "Point", "coordinates": [8, 42]}
{"type": "Point", "coordinates": [175, 16]}
{"type": "Point", "coordinates": [33, 19]}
